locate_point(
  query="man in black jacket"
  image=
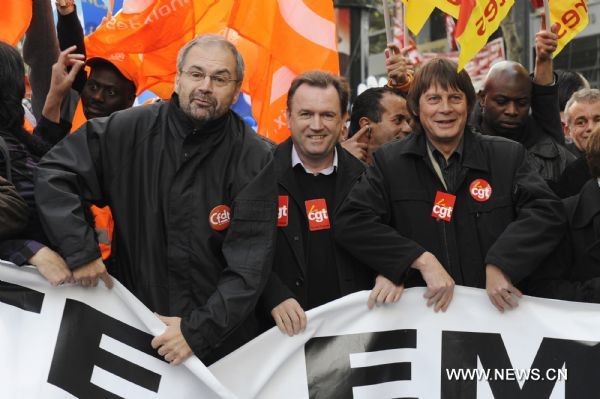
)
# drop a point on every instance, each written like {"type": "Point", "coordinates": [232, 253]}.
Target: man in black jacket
{"type": "Point", "coordinates": [572, 272]}
{"type": "Point", "coordinates": [314, 176]}
{"type": "Point", "coordinates": [447, 204]}
{"type": "Point", "coordinates": [193, 203]}
{"type": "Point", "coordinates": [508, 96]}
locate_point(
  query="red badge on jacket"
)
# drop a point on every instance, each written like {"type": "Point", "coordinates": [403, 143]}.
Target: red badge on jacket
{"type": "Point", "coordinates": [443, 206]}
{"type": "Point", "coordinates": [480, 190]}
{"type": "Point", "coordinates": [282, 216]}
{"type": "Point", "coordinates": [220, 217]}
{"type": "Point", "coordinates": [316, 211]}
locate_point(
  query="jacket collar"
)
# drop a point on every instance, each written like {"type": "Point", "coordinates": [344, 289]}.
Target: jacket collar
{"type": "Point", "coordinates": [545, 148]}
{"type": "Point", "coordinates": [349, 169]}
{"type": "Point", "coordinates": [473, 156]}
{"type": "Point", "coordinates": [587, 206]}
{"type": "Point", "coordinates": [185, 124]}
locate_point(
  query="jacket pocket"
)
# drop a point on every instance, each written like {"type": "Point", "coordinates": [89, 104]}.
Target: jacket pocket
{"type": "Point", "coordinates": [491, 218]}
{"type": "Point", "coordinates": [412, 214]}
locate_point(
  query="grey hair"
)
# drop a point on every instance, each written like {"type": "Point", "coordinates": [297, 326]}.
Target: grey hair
{"type": "Point", "coordinates": [588, 96]}
{"type": "Point", "coordinates": [211, 40]}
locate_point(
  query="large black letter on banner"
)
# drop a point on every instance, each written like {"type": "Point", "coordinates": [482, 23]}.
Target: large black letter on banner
{"type": "Point", "coordinates": [328, 362]}
{"type": "Point", "coordinates": [460, 350]}
{"type": "Point", "coordinates": [21, 297]}
{"type": "Point", "coordinates": [77, 352]}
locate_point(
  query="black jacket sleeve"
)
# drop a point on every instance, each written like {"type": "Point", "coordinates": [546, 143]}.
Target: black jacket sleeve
{"type": "Point", "coordinates": [537, 229]}
{"type": "Point", "coordinates": [52, 132]}
{"type": "Point", "coordinates": [363, 226]}
{"type": "Point", "coordinates": [70, 33]}
{"type": "Point", "coordinates": [545, 110]}
{"type": "Point", "coordinates": [248, 249]}
{"type": "Point", "coordinates": [69, 176]}
{"type": "Point", "coordinates": [551, 279]}
{"type": "Point", "coordinates": [275, 292]}
{"type": "Point", "coordinates": [13, 210]}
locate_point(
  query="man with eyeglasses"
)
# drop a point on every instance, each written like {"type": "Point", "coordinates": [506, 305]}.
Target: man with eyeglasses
{"type": "Point", "coordinates": [190, 186]}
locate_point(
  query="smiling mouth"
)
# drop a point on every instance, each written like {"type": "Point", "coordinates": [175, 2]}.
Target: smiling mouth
{"type": "Point", "coordinates": [317, 137]}
{"type": "Point", "coordinates": [446, 123]}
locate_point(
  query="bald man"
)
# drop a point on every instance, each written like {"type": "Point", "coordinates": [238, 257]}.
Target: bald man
{"type": "Point", "coordinates": [509, 94]}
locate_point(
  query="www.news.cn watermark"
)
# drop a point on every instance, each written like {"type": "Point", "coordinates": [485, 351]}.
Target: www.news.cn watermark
{"type": "Point", "coordinates": [533, 374]}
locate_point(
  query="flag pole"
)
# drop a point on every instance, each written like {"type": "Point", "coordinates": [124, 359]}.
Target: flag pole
{"type": "Point", "coordinates": [547, 14]}
{"type": "Point", "coordinates": [386, 17]}
{"type": "Point", "coordinates": [404, 26]}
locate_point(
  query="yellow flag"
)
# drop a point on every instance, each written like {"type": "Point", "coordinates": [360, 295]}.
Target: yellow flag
{"type": "Point", "coordinates": [572, 17]}
{"type": "Point", "coordinates": [477, 20]}
{"type": "Point", "coordinates": [418, 11]}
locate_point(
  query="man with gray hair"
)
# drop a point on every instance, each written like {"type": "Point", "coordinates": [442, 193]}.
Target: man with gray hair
{"type": "Point", "coordinates": [582, 114]}
{"type": "Point", "coordinates": [190, 187]}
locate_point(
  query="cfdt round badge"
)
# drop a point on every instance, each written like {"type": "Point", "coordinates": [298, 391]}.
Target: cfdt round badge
{"type": "Point", "coordinates": [220, 217]}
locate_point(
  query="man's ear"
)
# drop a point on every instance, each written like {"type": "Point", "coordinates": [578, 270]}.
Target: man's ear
{"type": "Point", "coordinates": [364, 121]}
{"type": "Point", "coordinates": [481, 97]}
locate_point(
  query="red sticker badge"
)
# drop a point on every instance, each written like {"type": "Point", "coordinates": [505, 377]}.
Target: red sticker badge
{"type": "Point", "coordinates": [443, 205]}
{"type": "Point", "coordinates": [318, 218]}
{"type": "Point", "coordinates": [480, 190]}
{"type": "Point", "coordinates": [220, 217]}
{"type": "Point", "coordinates": [282, 216]}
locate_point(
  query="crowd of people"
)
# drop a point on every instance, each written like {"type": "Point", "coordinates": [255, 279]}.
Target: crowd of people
{"type": "Point", "coordinates": [424, 182]}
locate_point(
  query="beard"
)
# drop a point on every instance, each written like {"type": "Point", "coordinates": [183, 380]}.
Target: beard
{"type": "Point", "coordinates": [201, 113]}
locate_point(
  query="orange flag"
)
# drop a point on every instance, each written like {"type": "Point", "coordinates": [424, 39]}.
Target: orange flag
{"type": "Point", "coordinates": [153, 31]}
{"type": "Point", "coordinates": [477, 20]}
{"type": "Point", "coordinates": [280, 39]}
{"type": "Point", "coordinates": [14, 20]}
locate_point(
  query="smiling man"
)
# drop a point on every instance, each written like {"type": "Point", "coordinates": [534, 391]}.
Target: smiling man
{"type": "Point", "coordinates": [314, 176]}
{"type": "Point", "coordinates": [447, 205]}
{"type": "Point", "coordinates": [193, 204]}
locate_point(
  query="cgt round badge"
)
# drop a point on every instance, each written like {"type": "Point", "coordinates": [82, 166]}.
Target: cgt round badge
{"type": "Point", "coordinates": [480, 190]}
{"type": "Point", "coordinates": [220, 217]}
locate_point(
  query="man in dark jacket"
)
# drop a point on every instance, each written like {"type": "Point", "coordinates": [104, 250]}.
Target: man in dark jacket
{"type": "Point", "coordinates": [314, 176]}
{"type": "Point", "coordinates": [572, 272]}
{"type": "Point", "coordinates": [447, 205]}
{"type": "Point", "coordinates": [20, 151]}
{"type": "Point", "coordinates": [582, 114]}
{"type": "Point", "coordinates": [193, 203]}
{"type": "Point", "coordinates": [508, 96]}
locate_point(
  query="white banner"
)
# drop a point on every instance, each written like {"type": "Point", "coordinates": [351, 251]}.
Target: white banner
{"type": "Point", "coordinates": [70, 341]}
{"type": "Point", "coordinates": [94, 343]}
